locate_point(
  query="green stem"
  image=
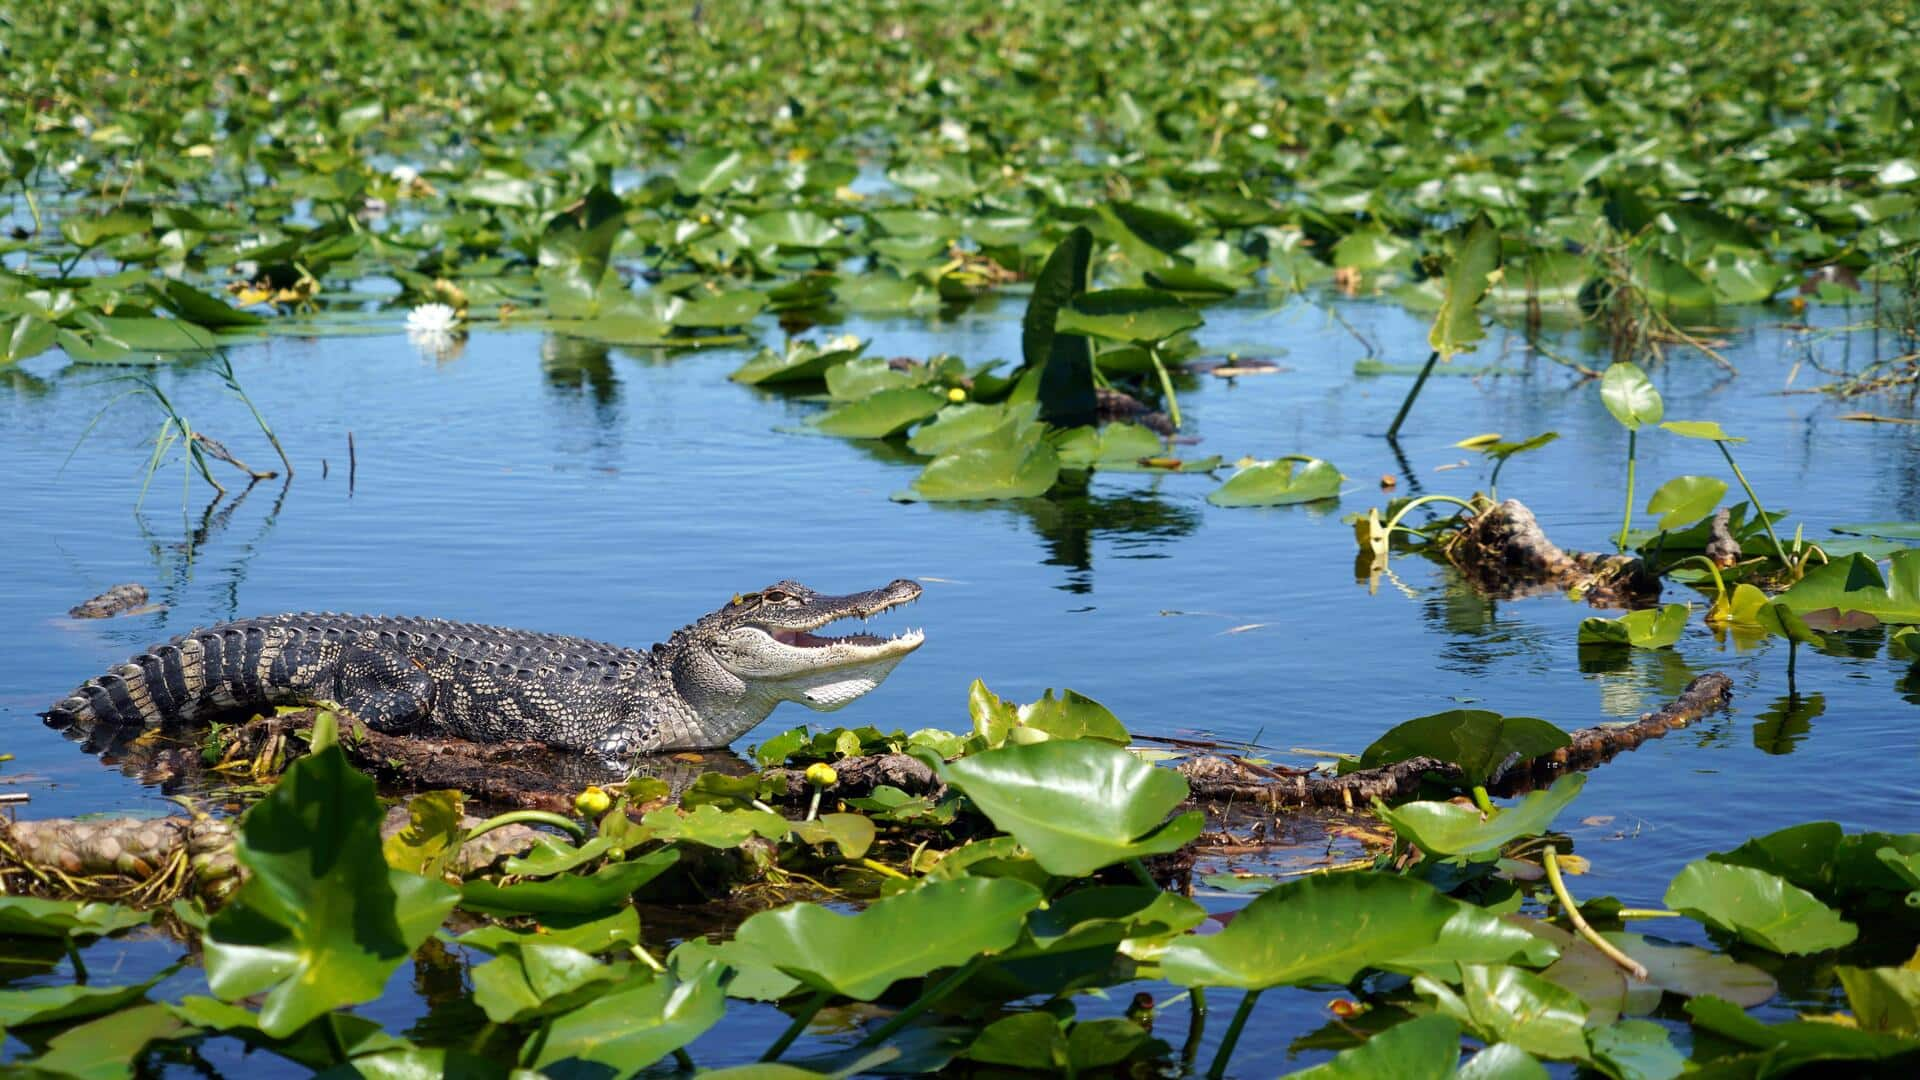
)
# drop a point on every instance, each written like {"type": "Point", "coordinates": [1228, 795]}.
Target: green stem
{"type": "Point", "coordinates": [928, 999]}
{"type": "Point", "coordinates": [1550, 859]}
{"type": "Point", "coordinates": [1626, 520]}
{"type": "Point", "coordinates": [1647, 913]}
{"type": "Point", "coordinates": [1166, 387]}
{"type": "Point", "coordinates": [1196, 1027]}
{"type": "Point", "coordinates": [808, 1010]}
{"type": "Point", "coordinates": [79, 965]}
{"type": "Point", "coordinates": [1480, 800]}
{"type": "Point", "coordinates": [684, 1060]}
{"type": "Point", "coordinates": [1406, 406]}
{"type": "Point", "coordinates": [1141, 872]}
{"type": "Point", "coordinates": [1219, 1067]}
{"type": "Point", "coordinates": [527, 817]}
{"type": "Point", "coordinates": [1719, 583]}
{"type": "Point", "coordinates": [1778, 548]}
{"type": "Point", "coordinates": [1394, 522]}
{"type": "Point", "coordinates": [330, 1028]}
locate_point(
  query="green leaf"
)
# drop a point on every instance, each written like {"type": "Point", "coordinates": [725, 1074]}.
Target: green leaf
{"type": "Point", "coordinates": [794, 230]}
{"type": "Point", "coordinates": [1456, 328]}
{"type": "Point", "coordinates": [1502, 1061]}
{"type": "Point", "coordinates": [1066, 392]}
{"type": "Point", "coordinates": [1636, 1050]}
{"type": "Point", "coordinates": [431, 841]}
{"type": "Point", "coordinates": [1649, 628]}
{"type": "Point", "coordinates": [634, 1026]}
{"type": "Point", "coordinates": [1324, 929]}
{"type": "Point", "coordinates": [709, 171]}
{"type": "Point", "coordinates": [1794, 1043]}
{"type": "Point", "coordinates": [1445, 828]}
{"type": "Point", "coordinates": [1370, 248]}
{"type": "Point", "coordinates": [107, 1048]}
{"type": "Point", "coordinates": [1144, 316]}
{"type": "Point", "coordinates": [861, 955]}
{"type": "Point", "coordinates": [1424, 1048]}
{"type": "Point", "coordinates": [29, 916]}
{"type": "Point", "coordinates": [1504, 1004]}
{"type": "Point", "coordinates": [1077, 805]}
{"type": "Point", "coordinates": [1092, 448]}
{"type": "Point", "coordinates": [1778, 619]}
{"type": "Point", "coordinates": [533, 978]}
{"type": "Point", "coordinates": [1700, 429]}
{"type": "Point", "coordinates": [1692, 971]}
{"type": "Point", "coordinates": [24, 337]}
{"type": "Point", "coordinates": [1684, 500]}
{"type": "Point", "coordinates": [322, 921]}
{"type": "Point", "coordinates": [197, 307]}
{"type": "Point", "coordinates": [622, 928]}
{"type": "Point", "coordinates": [888, 412]}
{"type": "Point", "coordinates": [151, 334]}
{"type": "Point", "coordinates": [1281, 482]}
{"type": "Point", "coordinates": [1073, 716]}
{"type": "Point", "coordinates": [710, 826]}
{"type": "Point", "coordinates": [1892, 530]}
{"type": "Point", "coordinates": [1855, 584]}
{"type": "Point", "coordinates": [578, 241]}
{"type": "Point", "coordinates": [1759, 907]}
{"type": "Point", "coordinates": [591, 894]}
{"type": "Point", "coordinates": [1629, 395]}
{"type": "Point", "coordinates": [716, 311]}
{"type": "Point", "coordinates": [803, 361]}
{"type": "Point", "coordinates": [1883, 998]}
{"type": "Point", "coordinates": [1016, 469]}
{"type": "Point", "coordinates": [1475, 740]}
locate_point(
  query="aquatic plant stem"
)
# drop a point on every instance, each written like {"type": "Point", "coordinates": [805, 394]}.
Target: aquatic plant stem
{"type": "Point", "coordinates": [1778, 548]}
{"type": "Point", "coordinates": [1141, 872]}
{"type": "Point", "coordinates": [1626, 519]}
{"type": "Point", "coordinates": [1196, 1026]}
{"type": "Point", "coordinates": [684, 1059]}
{"type": "Point", "coordinates": [1393, 429]}
{"type": "Point", "coordinates": [1551, 860]}
{"type": "Point", "coordinates": [882, 868]}
{"type": "Point", "coordinates": [1219, 1067]}
{"type": "Point", "coordinates": [1647, 913]}
{"type": "Point", "coordinates": [928, 998]}
{"type": "Point", "coordinates": [1166, 386]}
{"type": "Point", "coordinates": [1481, 800]}
{"type": "Point", "coordinates": [808, 1010]}
{"type": "Point", "coordinates": [527, 817]}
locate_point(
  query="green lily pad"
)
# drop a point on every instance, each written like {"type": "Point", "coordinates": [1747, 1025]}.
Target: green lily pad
{"type": "Point", "coordinates": [1700, 429]}
{"type": "Point", "coordinates": [1684, 500]}
{"type": "Point", "coordinates": [1424, 1048]}
{"type": "Point", "coordinates": [533, 978]}
{"type": "Point", "coordinates": [29, 916]}
{"type": "Point", "coordinates": [1630, 396]}
{"type": "Point", "coordinates": [885, 413]}
{"type": "Point", "coordinates": [1445, 828]}
{"type": "Point", "coordinates": [1649, 628]}
{"type": "Point", "coordinates": [1282, 482]}
{"type": "Point", "coordinates": [1855, 584]}
{"type": "Point", "coordinates": [571, 894]}
{"type": "Point", "coordinates": [1145, 316]}
{"type": "Point", "coordinates": [1476, 740]}
{"type": "Point", "coordinates": [1073, 716]}
{"type": "Point", "coordinates": [1502, 1004]}
{"type": "Point", "coordinates": [107, 1048]}
{"type": "Point", "coordinates": [1456, 328]}
{"type": "Point", "coordinates": [1017, 469]}
{"type": "Point", "coordinates": [1323, 929]}
{"type": "Point", "coordinates": [802, 361]}
{"type": "Point", "coordinates": [1077, 805]}
{"type": "Point", "coordinates": [1094, 448]}
{"type": "Point", "coordinates": [861, 955]}
{"type": "Point", "coordinates": [322, 921]}
{"type": "Point", "coordinates": [1759, 907]}
{"type": "Point", "coordinates": [634, 1026]}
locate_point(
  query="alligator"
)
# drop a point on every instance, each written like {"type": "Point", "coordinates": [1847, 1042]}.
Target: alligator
{"type": "Point", "coordinates": [705, 686]}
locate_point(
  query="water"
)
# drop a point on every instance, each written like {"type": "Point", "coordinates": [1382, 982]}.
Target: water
{"type": "Point", "coordinates": [537, 483]}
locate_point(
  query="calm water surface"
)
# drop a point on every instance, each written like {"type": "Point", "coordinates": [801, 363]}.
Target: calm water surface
{"type": "Point", "coordinates": [537, 483]}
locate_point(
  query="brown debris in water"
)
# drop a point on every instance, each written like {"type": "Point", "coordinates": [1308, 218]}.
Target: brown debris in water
{"type": "Point", "coordinates": [119, 600]}
{"type": "Point", "coordinates": [1503, 551]}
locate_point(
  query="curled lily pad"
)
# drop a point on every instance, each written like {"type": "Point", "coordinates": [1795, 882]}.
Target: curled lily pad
{"type": "Point", "coordinates": [1446, 828]}
{"type": "Point", "coordinates": [888, 412]}
{"type": "Point", "coordinates": [1855, 584]}
{"type": "Point", "coordinates": [1077, 805]}
{"type": "Point", "coordinates": [1630, 396]}
{"type": "Point", "coordinates": [1686, 499]}
{"type": "Point", "coordinates": [1478, 741]}
{"type": "Point", "coordinates": [1650, 628]}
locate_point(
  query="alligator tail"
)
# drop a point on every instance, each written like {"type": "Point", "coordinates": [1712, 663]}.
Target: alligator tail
{"type": "Point", "coordinates": [199, 674]}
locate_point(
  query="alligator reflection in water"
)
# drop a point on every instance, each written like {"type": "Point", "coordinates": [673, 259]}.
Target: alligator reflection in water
{"type": "Point", "coordinates": [1069, 521]}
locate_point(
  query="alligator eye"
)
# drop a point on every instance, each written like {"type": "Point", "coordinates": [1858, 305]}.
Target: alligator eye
{"type": "Point", "coordinates": [774, 596]}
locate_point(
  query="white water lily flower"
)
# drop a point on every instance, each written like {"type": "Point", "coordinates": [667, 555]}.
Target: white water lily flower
{"type": "Point", "coordinates": [844, 341]}
{"type": "Point", "coordinates": [1259, 131]}
{"type": "Point", "coordinates": [404, 175]}
{"type": "Point", "coordinates": [954, 132]}
{"type": "Point", "coordinates": [432, 319]}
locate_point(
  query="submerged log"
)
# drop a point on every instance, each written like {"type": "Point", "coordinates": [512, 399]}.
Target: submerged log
{"type": "Point", "coordinates": [1504, 553]}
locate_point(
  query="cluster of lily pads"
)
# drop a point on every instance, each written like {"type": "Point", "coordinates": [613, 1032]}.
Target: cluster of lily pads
{"type": "Point", "coordinates": [997, 918]}
{"type": "Point", "coordinates": [321, 176]}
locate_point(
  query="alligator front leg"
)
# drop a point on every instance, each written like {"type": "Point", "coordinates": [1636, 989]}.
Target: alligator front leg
{"type": "Point", "coordinates": [383, 689]}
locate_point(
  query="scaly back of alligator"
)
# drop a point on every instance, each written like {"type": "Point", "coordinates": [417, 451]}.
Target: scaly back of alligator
{"type": "Point", "coordinates": [254, 664]}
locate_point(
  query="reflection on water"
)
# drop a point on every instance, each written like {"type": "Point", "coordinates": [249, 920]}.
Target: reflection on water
{"type": "Point", "coordinates": [558, 485]}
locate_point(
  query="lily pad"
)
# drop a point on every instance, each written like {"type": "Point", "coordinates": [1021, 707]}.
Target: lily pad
{"type": "Point", "coordinates": [1476, 740]}
{"type": "Point", "coordinates": [1855, 584]}
{"type": "Point", "coordinates": [1077, 805]}
{"type": "Point", "coordinates": [1759, 907]}
{"type": "Point", "coordinates": [1446, 828]}
{"type": "Point", "coordinates": [1685, 500]}
{"type": "Point", "coordinates": [1649, 628]}
{"type": "Point", "coordinates": [888, 412]}
{"type": "Point", "coordinates": [1282, 482]}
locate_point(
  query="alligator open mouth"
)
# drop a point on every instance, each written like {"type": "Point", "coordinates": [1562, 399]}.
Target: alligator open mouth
{"type": "Point", "coordinates": [805, 639]}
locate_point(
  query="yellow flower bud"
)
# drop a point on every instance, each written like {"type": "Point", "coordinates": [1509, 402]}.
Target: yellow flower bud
{"type": "Point", "coordinates": [956, 395]}
{"type": "Point", "coordinates": [820, 774]}
{"type": "Point", "coordinates": [592, 802]}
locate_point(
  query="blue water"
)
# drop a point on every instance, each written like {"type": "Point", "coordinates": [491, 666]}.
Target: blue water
{"type": "Point", "coordinates": [531, 482]}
